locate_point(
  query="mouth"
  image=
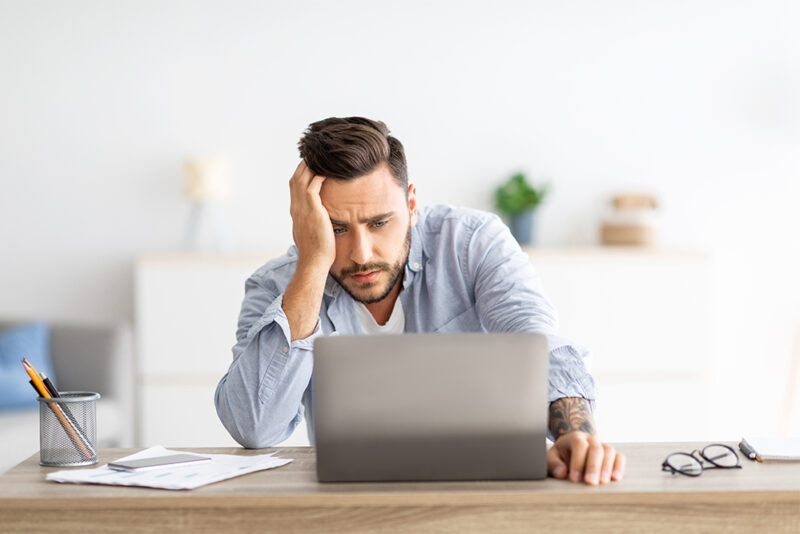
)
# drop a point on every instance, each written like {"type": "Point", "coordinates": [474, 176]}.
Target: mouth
{"type": "Point", "coordinates": [365, 278]}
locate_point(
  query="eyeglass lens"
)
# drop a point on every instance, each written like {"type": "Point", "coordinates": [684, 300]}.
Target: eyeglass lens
{"type": "Point", "coordinates": [720, 456]}
{"type": "Point", "coordinates": [685, 463]}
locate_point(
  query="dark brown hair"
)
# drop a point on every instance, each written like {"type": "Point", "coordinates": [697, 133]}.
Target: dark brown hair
{"type": "Point", "coordinates": [350, 147]}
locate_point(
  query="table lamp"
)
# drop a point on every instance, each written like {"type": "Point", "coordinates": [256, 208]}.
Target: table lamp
{"type": "Point", "coordinates": [207, 186]}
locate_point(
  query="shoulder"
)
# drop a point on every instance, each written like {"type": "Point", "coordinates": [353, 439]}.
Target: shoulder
{"type": "Point", "coordinates": [455, 233]}
{"type": "Point", "coordinates": [276, 273]}
{"type": "Point", "coordinates": [444, 218]}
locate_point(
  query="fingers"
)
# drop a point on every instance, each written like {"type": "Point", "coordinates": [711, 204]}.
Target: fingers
{"type": "Point", "coordinates": [609, 457]}
{"type": "Point", "coordinates": [577, 458]}
{"type": "Point", "coordinates": [556, 467]}
{"type": "Point", "coordinates": [303, 185]}
{"type": "Point", "coordinates": [311, 226]}
{"type": "Point", "coordinates": [301, 173]}
{"type": "Point", "coordinates": [594, 461]}
{"type": "Point", "coordinates": [315, 185]}
{"type": "Point", "coordinates": [300, 179]}
{"type": "Point", "coordinates": [589, 459]}
{"type": "Point", "coordinates": [619, 468]}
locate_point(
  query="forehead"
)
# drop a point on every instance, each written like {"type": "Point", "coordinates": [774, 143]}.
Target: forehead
{"type": "Point", "coordinates": [371, 194]}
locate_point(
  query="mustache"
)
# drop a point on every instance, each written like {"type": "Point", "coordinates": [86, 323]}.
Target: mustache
{"type": "Point", "coordinates": [365, 268]}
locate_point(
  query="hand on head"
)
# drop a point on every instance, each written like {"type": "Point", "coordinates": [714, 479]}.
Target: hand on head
{"type": "Point", "coordinates": [311, 225]}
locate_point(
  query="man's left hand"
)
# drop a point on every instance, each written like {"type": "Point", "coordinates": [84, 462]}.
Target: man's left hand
{"type": "Point", "coordinates": [583, 456]}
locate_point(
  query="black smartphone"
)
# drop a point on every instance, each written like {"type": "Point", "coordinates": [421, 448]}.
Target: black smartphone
{"type": "Point", "coordinates": [158, 462]}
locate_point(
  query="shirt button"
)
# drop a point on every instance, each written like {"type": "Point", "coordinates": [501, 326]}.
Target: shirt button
{"type": "Point", "coordinates": [285, 349]}
{"type": "Point", "coordinates": [416, 265]}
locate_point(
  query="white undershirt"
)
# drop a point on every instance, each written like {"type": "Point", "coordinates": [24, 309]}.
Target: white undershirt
{"type": "Point", "coordinates": [395, 325]}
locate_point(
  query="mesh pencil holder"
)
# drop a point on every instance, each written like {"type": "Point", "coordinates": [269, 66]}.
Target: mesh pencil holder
{"type": "Point", "coordinates": [68, 429]}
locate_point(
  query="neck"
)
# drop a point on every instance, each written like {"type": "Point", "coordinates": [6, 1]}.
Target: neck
{"type": "Point", "coordinates": [382, 310]}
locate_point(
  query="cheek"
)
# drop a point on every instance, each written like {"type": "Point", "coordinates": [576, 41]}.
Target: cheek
{"type": "Point", "coordinates": [342, 254]}
{"type": "Point", "coordinates": [392, 244]}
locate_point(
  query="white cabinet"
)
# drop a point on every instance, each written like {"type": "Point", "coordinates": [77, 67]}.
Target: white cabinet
{"type": "Point", "coordinates": [187, 307]}
{"type": "Point", "coordinates": [643, 314]}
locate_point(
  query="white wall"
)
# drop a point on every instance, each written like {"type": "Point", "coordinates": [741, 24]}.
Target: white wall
{"type": "Point", "coordinates": [100, 102]}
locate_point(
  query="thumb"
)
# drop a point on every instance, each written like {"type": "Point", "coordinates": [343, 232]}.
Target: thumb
{"type": "Point", "coordinates": [556, 466]}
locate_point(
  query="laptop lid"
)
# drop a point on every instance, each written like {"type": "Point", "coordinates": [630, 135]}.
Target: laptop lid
{"type": "Point", "coordinates": [430, 407]}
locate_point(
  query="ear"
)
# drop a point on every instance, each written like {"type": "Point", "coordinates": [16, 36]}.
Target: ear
{"type": "Point", "coordinates": [412, 204]}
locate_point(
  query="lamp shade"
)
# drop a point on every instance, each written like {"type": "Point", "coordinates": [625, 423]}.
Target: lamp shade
{"type": "Point", "coordinates": [207, 179]}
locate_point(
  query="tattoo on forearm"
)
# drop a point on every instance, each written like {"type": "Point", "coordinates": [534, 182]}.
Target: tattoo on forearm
{"type": "Point", "coordinates": [571, 413]}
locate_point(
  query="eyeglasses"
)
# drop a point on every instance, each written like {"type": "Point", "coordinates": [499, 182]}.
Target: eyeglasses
{"type": "Point", "coordinates": [719, 456]}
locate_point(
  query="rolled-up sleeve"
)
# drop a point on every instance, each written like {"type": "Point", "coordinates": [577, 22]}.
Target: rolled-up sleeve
{"type": "Point", "coordinates": [509, 298]}
{"type": "Point", "coordinates": [259, 399]}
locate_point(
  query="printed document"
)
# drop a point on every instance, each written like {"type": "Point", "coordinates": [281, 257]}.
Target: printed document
{"type": "Point", "coordinates": [221, 467]}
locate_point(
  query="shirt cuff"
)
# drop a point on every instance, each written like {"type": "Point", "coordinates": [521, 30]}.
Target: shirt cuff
{"type": "Point", "coordinates": [568, 375]}
{"type": "Point", "coordinates": [275, 314]}
{"type": "Point", "coordinates": [569, 378]}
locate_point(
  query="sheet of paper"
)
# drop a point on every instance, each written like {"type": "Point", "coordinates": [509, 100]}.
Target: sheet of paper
{"type": "Point", "coordinates": [775, 448]}
{"type": "Point", "coordinates": [221, 467]}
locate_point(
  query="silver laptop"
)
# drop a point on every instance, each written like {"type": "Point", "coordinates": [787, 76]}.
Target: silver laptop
{"type": "Point", "coordinates": [430, 407]}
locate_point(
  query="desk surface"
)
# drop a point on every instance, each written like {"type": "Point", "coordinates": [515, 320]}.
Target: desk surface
{"type": "Point", "coordinates": [289, 499]}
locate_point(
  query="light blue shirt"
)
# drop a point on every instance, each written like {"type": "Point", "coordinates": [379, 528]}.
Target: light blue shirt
{"type": "Point", "coordinates": [465, 273]}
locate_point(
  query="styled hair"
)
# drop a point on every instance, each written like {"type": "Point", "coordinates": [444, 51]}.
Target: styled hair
{"type": "Point", "coordinates": [350, 147]}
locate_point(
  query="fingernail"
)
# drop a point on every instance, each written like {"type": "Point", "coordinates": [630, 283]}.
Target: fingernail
{"type": "Point", "coordinates": [591, 478]}
{"type": "Point", "coordinates": [558, 472]}
{"type": "Point", "coordinates": [575, 476]}
{"type": "Point", "coordinates": [606, 476]}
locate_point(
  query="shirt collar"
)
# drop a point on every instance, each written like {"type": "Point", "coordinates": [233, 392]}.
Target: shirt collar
{"type": "Point", "coordinates": [331, 286]}
{"type": "Point", "coordinates": [414, 263]}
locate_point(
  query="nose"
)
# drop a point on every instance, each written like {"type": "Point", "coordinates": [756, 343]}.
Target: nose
{"type": "Point", "coordinates": [362, 247]}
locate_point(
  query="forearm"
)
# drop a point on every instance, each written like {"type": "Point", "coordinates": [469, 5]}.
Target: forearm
{"type": "Point", "coordinates": [569, 414]}
{"type": "Point", "coordinates": [303, 298]}
{"type": "Point", "coordinates": [316, 250]}
{"type": "Point", "coordinates": [258, 400]}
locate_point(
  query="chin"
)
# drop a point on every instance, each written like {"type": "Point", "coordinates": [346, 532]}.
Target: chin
{"type": "Point", "coordinates": [367, 296]}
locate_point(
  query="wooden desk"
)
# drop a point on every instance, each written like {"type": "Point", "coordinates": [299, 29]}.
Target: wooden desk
{"type": "Point", "coordinates": [757, 498]}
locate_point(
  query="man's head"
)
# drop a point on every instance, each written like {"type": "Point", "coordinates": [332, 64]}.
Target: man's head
{"type": "Point", "coordinates": [371, 206]}
{"type": "Point", "coordinates": [348, 148]}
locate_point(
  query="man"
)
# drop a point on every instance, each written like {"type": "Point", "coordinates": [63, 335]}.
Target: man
{"type": "Point", "coordinates": [367, 260]}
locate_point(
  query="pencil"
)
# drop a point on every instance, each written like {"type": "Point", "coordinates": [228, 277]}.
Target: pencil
{"type": "Point", "coordinates": [44, 393]}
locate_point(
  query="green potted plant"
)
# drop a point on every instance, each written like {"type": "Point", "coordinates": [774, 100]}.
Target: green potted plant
{"type": "Point", "coordinates": [517, 199]}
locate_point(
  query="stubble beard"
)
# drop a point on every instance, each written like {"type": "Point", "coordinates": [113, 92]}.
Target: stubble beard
{"type": "Point", "coordinates": [395, 272]}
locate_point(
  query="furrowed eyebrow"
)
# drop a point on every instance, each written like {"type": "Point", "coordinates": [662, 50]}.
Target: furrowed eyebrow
{"type": "Point", "coordinates": [368, 220]}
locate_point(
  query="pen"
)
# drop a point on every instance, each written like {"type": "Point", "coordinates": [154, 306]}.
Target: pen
{"type": "Point", "coordinates": [747, 449]}
{"type": "Point", "coordinates": [50, 387]}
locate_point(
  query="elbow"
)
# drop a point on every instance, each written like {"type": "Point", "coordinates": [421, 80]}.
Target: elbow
{"type": "Point", "coordinates": [251, 441]}
{"type": "Point", "coordinates": [250, 426]}
{"type": "Point", "coordinates": [250, 438]}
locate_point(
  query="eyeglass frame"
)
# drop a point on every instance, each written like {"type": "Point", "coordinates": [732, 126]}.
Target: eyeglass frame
{"type": "Point", "coordinates": [665, 465]}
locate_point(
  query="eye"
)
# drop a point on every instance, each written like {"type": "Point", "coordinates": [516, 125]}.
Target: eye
{"type": "Point", "coordinates": [337, 231]}
{"type": "Point", "coordinates": [379, 224]}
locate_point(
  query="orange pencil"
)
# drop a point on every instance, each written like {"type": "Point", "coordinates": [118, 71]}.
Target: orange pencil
{"type": "Point", "coordinates": [37, 380]}
{"type": "Point", "coordinates": [42, 389]}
